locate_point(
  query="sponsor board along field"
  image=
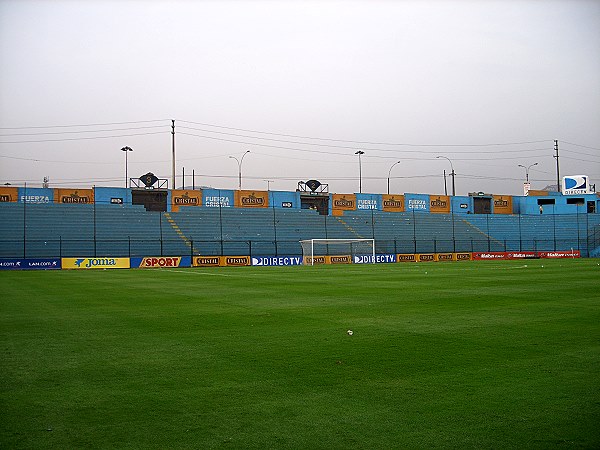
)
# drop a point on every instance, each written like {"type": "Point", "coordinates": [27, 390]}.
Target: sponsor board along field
{"type": "Point", "coordinates": [476, 354]}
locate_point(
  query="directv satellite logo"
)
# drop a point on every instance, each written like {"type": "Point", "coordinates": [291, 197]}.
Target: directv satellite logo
{"type": "Point", "coordinates": [575, 185]}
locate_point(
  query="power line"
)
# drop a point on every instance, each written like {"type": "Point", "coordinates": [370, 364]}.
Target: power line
{"type": "Point", "coordinates": [365, 142]}
{"type": "Point", "coordinates": [579, 145]}
{"type": "Point", "coordinates": [340, 146]}
{"type": "Point", "coordinates": [82, 125]}
{"type": "Point", "coordinates": [82, 138]}
{"type": "Point", "coordinates": [81, 131]}
{"type": "Point", "coordinates": [339, 153]}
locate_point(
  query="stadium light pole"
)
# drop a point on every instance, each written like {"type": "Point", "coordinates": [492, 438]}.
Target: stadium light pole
{"type": "Point", "coordinates": [239, 162]}
{"type": "Point", "coordinates": [126, 150]}
{"type": "Point", "coordinates": [359, 153]}
{"type": "Point", "coordinates": [527, 170]}
{"type": "Point", "coordinates": [389, 173]}
{"type": "Point", "coordinates": [452, 174]}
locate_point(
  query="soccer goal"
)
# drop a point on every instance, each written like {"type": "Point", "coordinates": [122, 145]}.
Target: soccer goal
{"type": "Point", "coordinates": [314, 250]}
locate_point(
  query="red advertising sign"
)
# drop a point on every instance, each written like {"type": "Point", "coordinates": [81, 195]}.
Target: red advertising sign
{"type": "Point", "coordinates": [489, 255]}
{"type": "Point", "coordinates": [526, 255]}
{"type": "Point", "coordinates": [565, 254]}
{"type": "Point", "coordinates": [521, 255]}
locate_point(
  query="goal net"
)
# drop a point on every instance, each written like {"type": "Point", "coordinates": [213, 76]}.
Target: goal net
{"type": "Point", "coordinates": [314, 251]}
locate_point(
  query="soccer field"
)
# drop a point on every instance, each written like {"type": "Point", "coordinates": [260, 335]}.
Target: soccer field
{"type": "Point", "coordinates": [448, 355]}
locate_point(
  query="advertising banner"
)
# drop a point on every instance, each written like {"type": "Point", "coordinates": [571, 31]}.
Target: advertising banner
{"type": "Point", "coordinates": [439, 204]}
{"type": "Point", "coordinates": [185, 197]}
{"type": "Point", "coordinates": [338, 259]}
{"type": "Point", "coordinates": [8, 194]}
{"type": "Point", "coordinates": [112, 196]}
{"type": "Point", "coordinates": [426, 257]}
{"type": "Point", "coordinates": [30, 264]}
{"type": "Point", "coordinates": [565, 254]}
{"type": "Point", "coordinates": [393, 203]}
{"type": "Point", "coordinates": [276, 260]}
{"type": "Point", "coordinates": [342, 202]}
{"type": "Point", "coordinates": [74, 196]}
{"type": "Point", "coordinates": [235, 261]}
{"type": "Point", "coordinates": [502, 204]}
{"type": "Point", "coordinates": [463, 256]}
{"type": "Point", "coordinates": [417, 202]}
{"type": "Point", "coordinates": [216, 198]}
{"type": "Point", "coordinates": [206, 261]}
{"type": "Point", "coordinates": [314, 260]}
{"type": "Point", "coordinates": [160, 261]}
{"type": "Point", "coordinates": [36, 195]}
{"type": "Point", "coordinates": [406, 257]}
{"type": "Point", "coordinates": [368, 201]}
{"type": "Point", "coordinates": [575, 185]}
{"type": "Point", "coordinates": [445, 256]}
{"type": "Point", "coordinates": [251, 199]}
{"type": "Point", "coordinates": [95, 263]}
{"type": "Point", "coordinates": [380, 258]}
{"type": "Point", "coordinates": [283, 199]}
{"type": "Point", "coordinates": [521, 255]}
{"type": "Point", "coordinates": [479, 256]}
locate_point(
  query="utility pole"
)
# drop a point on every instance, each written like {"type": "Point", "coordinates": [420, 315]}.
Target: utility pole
{"type": "Point", "coordinates": [557, 165]}
{"type": "Point", "coordinates": [452, 174]}
{"type": "Point", "coordinates": [173, 155]}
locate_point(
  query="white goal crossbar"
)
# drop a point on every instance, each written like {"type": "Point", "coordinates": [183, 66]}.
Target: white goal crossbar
{"type": "Point", "coordinates": [313, 248]}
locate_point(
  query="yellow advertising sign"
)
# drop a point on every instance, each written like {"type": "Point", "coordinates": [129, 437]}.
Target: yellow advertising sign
{"type": "Point", "coordinates": [180, 197]}
{"type": "Point", "coordinates": [314, 260]}
{"type": "Point", "coordinates": [405, 257]}
{"type": "Point", "coordinates": [251, 199]}
{"type": "Point", "coordinates": [342, 202]}
{"type": "Point", "coordinates": [445, 257]}
{"type": "Point", "coordinates": [426, 257]}
{"type": "Point", "coordinates": [206, 261]}
{"type": "Point", "coordinates": [95, 263]}
{"type": "Point", "coordinates": [235, 261]}
{"type": "Point", "coordinates": [439, 204]}
{"type": "Point", "coordinates": [339, 259]}
{"type": "Point", "coordinates": [9, 194]}
{"type": "Point", "coordinates": [463, 256]}
{"type": "Point", "coordinates": [393, 203]}
{"type": "Point", "coordinates": [503, 204]}
{"type": "Point", "coordinates": [74, 196]}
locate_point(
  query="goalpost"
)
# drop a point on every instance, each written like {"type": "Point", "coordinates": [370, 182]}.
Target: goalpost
{"type": "Point", "coordinates": [315, 248]}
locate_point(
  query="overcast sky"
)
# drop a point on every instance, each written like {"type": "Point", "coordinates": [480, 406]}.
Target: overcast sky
{"type": "Point", "coordinates": [303, 86]}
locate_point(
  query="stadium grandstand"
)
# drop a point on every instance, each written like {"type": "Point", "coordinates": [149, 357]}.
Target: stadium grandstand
{"type": "Point", "coordinates": [147, 221]}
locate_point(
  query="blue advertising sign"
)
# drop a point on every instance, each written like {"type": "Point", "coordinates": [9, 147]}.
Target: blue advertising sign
{"type": "Point", "coordinates": [368, 201]}
{"type": "Point", "coordinates": [36, 195]}
{"type": "Point", "coordinates": [417, 202]}
{"type": "Point", "coordinates": [276, 260]}
{"type": "Point", "coordinates": [368, 259]}
{"type": "Point", "coordinates": [30, 264]}
{"type": "Point", "coordinates": [216, 198]}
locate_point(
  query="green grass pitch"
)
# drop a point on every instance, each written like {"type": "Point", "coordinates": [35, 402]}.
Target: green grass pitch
{"type": "Point", "coordinates": [447, 355]}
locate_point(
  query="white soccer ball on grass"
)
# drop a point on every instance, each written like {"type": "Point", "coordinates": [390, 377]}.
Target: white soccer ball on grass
{"type": "Point", "coordinates": [350, 332]}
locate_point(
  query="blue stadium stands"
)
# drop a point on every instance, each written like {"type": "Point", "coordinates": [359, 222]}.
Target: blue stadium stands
{"type": "Point", "coordinates": [52, 230]}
